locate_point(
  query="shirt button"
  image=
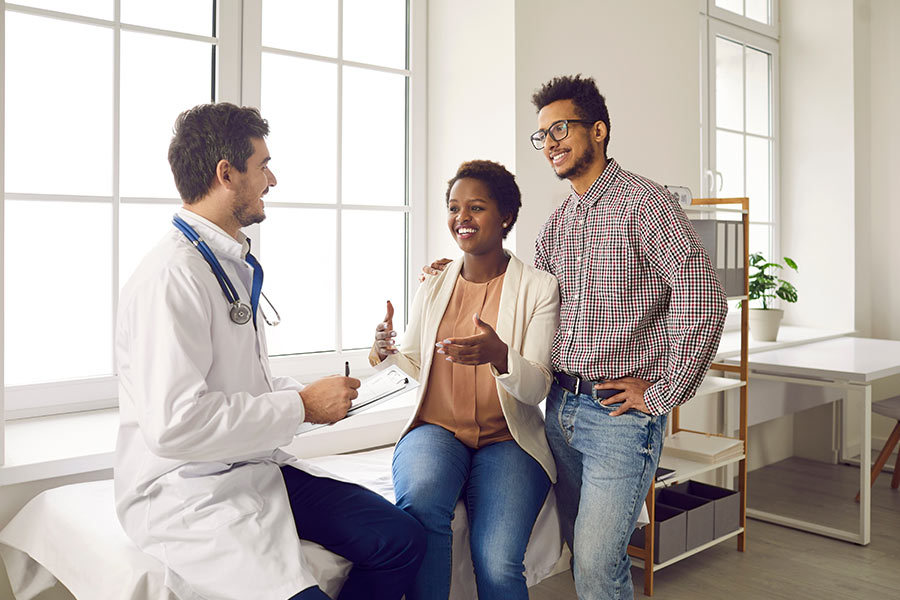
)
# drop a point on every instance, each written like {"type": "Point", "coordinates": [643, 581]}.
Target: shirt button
{"type": "Point", "coordinates": [574, 296]}
{"type": "Point", "coordinates": [569, 332]}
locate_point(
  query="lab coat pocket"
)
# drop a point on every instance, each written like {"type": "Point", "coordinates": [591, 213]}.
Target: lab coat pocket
{"type": "Point", "coordinates": [211, 501]}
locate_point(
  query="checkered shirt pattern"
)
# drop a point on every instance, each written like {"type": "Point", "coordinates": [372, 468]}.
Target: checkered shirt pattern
{"type": "Point", "coordinates": [639, 297]}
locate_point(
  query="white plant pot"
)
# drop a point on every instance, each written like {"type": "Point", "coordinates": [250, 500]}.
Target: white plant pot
{"type": "Point", "coordinates": [764, 323]}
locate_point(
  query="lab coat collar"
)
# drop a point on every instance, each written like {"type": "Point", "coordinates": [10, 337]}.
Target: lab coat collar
{"type": "Point", "coordinates": [216, 237]}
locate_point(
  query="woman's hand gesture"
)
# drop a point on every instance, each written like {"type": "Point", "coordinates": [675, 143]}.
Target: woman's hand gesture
{"type": "Point", "coordinates": [385, 336]}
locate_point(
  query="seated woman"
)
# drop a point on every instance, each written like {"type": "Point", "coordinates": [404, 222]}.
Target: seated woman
{"type": "Point", "coordinates": [478, 340]}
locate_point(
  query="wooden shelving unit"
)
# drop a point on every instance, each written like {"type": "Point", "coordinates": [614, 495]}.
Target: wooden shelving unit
{"type": "Point", "coordinates": [687, 469]}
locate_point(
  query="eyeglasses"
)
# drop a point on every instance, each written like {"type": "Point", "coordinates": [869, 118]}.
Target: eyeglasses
{"type": "Point", "coordinates": [558, 130]}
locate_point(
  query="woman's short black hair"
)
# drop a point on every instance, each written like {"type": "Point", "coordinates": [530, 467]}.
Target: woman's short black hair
{"type": "Point", "coordinates": [500, 183]}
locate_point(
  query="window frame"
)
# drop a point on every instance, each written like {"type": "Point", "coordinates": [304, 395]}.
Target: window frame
{"type": "Point", "coordinates": [716, 22]}
{"type": "Point", "coordinates": [317, 364]}
{"type": "Point", "coordinates": [770, 46]}
{"type": "Point", "coordinates": [94, 392]}
{"type": "Point", "coordinates": [771, 30]}
{"type": "Point", "coordinates": [231, 85]}
{"type": "Point", "coordinates": [2, 246]}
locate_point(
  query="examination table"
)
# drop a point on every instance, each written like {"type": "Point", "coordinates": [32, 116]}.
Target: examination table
{"type": "Point", "coordinates": [70, 534]}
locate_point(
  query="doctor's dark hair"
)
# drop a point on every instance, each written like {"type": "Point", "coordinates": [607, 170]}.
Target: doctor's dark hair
{"type": "Point", "coordinates": [206, 134]}
{"type": "Point", "coordinates": [582, 91]}
{"type": "Point", "coordinates": [500, 183]}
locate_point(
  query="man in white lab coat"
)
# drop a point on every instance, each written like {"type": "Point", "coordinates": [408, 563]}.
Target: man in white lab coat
{"type": "Point", "coordinates": [200, 481]}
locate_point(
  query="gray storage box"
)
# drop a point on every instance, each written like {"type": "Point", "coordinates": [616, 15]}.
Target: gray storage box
{"type": "Point", "coordinates": [726, 504]}
{"type": "Point", "coordinates": [699, 512]}
{"type": "Point", "coordinates": [669, 533]}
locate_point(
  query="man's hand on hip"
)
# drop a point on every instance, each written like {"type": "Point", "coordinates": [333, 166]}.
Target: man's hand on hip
{"type": "Point", "coordinates": [328, 399]}
{"type": "Point", "coordinates": [631, 395]}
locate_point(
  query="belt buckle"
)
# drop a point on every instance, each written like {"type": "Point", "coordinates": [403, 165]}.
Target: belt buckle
{"type": "Point", "coordinates": [576, 387]}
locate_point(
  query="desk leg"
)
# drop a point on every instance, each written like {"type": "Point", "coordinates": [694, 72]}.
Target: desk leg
{"type": "Point", "coordinates": [856, 414]}
{"type": "Point", "coordinates": [857, 404]}
{"type": "Point", "coordinates": [863, 395]}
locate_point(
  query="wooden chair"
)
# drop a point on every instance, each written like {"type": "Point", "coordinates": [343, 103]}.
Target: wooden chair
{"type": "Point", "coordinates": [889, 408]}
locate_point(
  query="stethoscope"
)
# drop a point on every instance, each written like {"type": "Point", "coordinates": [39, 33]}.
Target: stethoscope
{"type": "Point", "coordinates": [239, 312]}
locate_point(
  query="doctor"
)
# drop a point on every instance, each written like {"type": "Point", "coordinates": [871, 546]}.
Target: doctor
{"type": "Point", "coordinates": [200, 482]}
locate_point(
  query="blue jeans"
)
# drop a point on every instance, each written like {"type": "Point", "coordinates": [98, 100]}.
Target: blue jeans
{"type": "Point", "coordinates": [384, 544]}
{"type": "Point", "coordinates": [504, 489]}
{"type": "Point", "coordinates": [604, 468]}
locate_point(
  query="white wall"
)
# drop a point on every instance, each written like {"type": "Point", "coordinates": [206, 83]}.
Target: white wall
{"type": "Point", "coordinates": [485, 59]}
{"type": "Point", "coordinates": [877, 74]}
{"type": "Point", "coordinates": [644, 57]}
{"type": "Point", "coordinates": [817, 159]}
{"type": "Point", "coordinates": [878, 250]}
{"type": "Point", "coordinates": [471, 74]}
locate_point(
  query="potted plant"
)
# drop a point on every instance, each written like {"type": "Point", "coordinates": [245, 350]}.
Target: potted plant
{"type": "Point", "coordinates": [766, 286]}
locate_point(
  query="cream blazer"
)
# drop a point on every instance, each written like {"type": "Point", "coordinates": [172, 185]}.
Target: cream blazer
{"type": "Point", "coordinates": [527, 319]}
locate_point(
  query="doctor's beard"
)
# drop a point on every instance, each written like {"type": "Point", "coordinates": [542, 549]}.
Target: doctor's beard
{"type": "Point", "coordinates": [247, 210]}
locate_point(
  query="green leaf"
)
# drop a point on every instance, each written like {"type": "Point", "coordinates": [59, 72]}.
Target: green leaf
{"type": "Point", "coordinates": [790, 263]}
{"type": "Point", "coordinates": [787, 292]}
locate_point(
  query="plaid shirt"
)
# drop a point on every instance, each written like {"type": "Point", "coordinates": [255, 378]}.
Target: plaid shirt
{"type": "Point", "coordinates": [639, 297]}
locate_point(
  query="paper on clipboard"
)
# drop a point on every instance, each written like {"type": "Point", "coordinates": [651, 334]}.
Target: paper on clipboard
{"type": "Point", "coordinates": [383, 385]}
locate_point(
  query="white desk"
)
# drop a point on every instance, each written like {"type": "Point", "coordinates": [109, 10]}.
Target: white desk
{"type": "Point", "coordinates": [850, 364]}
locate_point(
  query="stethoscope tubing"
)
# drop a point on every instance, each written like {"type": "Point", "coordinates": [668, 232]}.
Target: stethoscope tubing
{"type": "Point", "coordinates": [230, 292]}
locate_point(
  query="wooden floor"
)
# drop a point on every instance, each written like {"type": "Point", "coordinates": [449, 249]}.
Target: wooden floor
{"type": "Point", "coordinates": [782, 563]}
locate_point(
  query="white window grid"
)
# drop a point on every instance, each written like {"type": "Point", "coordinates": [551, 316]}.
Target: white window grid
{"type": "Point", "coordinates": [770, 29]}
{"type": "Point", "coordinates": [314, 364]}
{"type": "Point", "coordinates": [234, 71]}
{"type": "Point", "coordinates": [92, 392]}
{"type": "Point", "coordinates": [716, 22]}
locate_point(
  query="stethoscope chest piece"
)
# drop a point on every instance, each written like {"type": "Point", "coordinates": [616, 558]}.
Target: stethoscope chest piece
{"type": "Point", "coordinates": [240, 313]}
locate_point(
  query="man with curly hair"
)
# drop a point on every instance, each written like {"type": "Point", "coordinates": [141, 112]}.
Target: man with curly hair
{"type": "Point", "coordinates": [641, 315]}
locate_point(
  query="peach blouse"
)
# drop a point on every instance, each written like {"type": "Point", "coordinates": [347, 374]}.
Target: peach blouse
{"type": "Point", "coordinates": [463, 398]}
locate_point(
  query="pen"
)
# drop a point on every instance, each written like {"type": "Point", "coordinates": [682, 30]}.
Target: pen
{"type": "Point", "coordinates": [346, 368]}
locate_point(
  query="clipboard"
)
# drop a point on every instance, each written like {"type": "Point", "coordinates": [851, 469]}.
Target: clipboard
{"type": "Point", "coordinates": [386, 383]}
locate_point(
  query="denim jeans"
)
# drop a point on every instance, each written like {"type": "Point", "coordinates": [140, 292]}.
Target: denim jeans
{"type": "Point", "coordinates": [504, 489]}
{"type": "Point", "coordinates": [384, 544]}
{"type": "Point", "coordinates": [604, 468]}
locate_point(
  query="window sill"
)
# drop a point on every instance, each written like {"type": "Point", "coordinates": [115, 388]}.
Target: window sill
{"type": "Point", "coordinates": [69, 444]}
{"type": "Point", "coordinates": [788, 335]}
{"type": "Point", "coordinates": [83, 442]}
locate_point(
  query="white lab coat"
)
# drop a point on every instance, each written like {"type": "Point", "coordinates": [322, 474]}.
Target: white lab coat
{"type": "Point", "coordinates": [197, 477]}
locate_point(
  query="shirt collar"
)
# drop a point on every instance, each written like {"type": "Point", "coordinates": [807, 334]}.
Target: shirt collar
{"type": "Point", "coordinates": [600, 186]}
{"type": "Point", "coordinates": [216, 237]}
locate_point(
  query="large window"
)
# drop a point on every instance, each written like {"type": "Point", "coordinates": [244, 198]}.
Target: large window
{"type": "Point", "coordinates": [337, 101]}
{"type": "Point", "coordinates": [740, 121]}
{"type": "Point", "coordinates": [91, 90]}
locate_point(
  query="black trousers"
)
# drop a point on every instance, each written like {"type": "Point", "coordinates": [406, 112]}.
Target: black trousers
{"type": "Point", "coordinates": [385, 544]}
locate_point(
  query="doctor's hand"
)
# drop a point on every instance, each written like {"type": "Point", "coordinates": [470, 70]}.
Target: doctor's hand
{"type": "Point", "coordinates": [631, 395]}
{"type": "Point", "coordinates": [434, 268]}
{"type": "Point", "coordinates": [328, 399]}
{"type": "Point", "coordinates": [483, 347]}
{"type": "Point", "coordinates": [385, 335]}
